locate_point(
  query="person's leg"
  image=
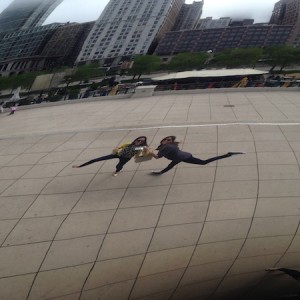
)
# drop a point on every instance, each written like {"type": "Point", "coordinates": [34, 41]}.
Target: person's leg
{"type": "Point", "coordinates": [168, 168]}
{"type": "Point", "coordinates": [198, 161]}
{"type": "Point", "coordinates": [120, 165]}
{"type": "Point", "coordinates": [106, 157]}
{"type": "Point", "coordinates": [293, 273]}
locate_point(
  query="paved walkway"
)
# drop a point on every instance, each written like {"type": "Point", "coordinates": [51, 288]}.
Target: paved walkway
{"type": "Point", "coordinates": [192, 233]}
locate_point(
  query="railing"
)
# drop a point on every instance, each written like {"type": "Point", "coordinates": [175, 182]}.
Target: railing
{"type": "Point", "coordinates": [224, 84]}
{"type": "Point", "coordinates": [108, 91]}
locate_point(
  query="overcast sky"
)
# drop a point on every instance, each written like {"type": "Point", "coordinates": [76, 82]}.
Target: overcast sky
{"type": "Point", "coordinates": [90, 10]}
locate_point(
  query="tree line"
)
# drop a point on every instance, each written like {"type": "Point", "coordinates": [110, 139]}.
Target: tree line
{"type": "Point", "coordinates": [280, 56]}
{"type": "Point", "coordinates": [275, 57]}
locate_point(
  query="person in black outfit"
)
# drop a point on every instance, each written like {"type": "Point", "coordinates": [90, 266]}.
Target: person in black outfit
{"type": "Point", "coordinates": [124, 153]}
{"type": "Point", "coordinates": [168, 148]}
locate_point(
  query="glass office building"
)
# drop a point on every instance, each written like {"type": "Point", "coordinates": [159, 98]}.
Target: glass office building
{"type": "Point", "coordinates": [25, 14]}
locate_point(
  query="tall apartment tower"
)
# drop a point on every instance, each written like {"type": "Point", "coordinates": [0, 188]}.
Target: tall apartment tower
{"type": "Point", "coordinates": [129, 27]}
{"type": "Point", "coordinates": [209, 23]}
{"type": "Point", "coordinates": [287, 12]}
{"type": "Point", "coordinates": [189, 16]}
{"type": "Point", "coordinates": [25, 14]}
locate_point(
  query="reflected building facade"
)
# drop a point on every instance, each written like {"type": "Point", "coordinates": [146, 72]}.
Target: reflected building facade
{"type": "Point", "coordinates": [209, 23]}
{"type": "Point", "coordinates": [219, 39]}
{"type": "Point", "coordinates": [66, 42]}
{"type": "Point", "coordinates": [20, 50]}
{"type": "Point", "coordinates": [129, 27]}
{"type": "Point", "coordinates": [189, 16]}
{"type": "Point", "coordinates": [26, 14]}
{"type": "Point", "coordinates": [287, 12]}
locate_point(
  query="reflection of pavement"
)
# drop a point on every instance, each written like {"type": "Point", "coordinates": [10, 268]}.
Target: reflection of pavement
{"type": "Point", "coordinates": [193, 232]}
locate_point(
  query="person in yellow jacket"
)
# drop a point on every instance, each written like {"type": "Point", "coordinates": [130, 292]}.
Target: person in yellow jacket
{"type": "Point", "coordinates": [124, 153]}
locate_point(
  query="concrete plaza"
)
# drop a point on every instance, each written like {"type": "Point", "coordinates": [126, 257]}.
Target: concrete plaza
{"type": "Point", "coordinates": [196, 232]}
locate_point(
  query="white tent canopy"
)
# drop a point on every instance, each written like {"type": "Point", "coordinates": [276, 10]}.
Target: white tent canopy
{"type": "Point", "coordinates": [210, 73]}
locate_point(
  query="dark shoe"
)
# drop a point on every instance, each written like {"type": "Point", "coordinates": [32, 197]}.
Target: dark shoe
{"type": "Point", "coordinates": [155, 173]}
{"type": "Point", "coordinates": [234, 153]}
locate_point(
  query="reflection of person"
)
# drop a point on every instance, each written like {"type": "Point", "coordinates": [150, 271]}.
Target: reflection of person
{"type": "Point", "coordinates": [124, 153]}
{"type": "Point", "coordinates": [113, 90]}
{"type": "Point", "coordinates": [13, 109]}
{"type": "Point", "coordinates": [293, 273]}
{"type": "Point", "coordinates": [168, 148]}
{"type": "Point", "coordinates": [242, 83]}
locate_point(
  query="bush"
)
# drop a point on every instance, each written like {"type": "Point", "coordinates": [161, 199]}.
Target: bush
{"type": "Point", "coordinates": [54, 98]}
{"type": "Point", "coordinates": [73, 96]}
{"type": "Point", "coordinates": [26, 101]}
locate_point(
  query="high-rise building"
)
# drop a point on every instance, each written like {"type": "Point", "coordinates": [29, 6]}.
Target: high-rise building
{"type": "Point", "coordinates": [26, 43]}
{"type": "Point", "coordinates": [244, 22]}
{"type": "Point", "coordinates": [25, 14]}
{"type": "Point", "coordinates": [219, 39]}
{"type": "Point", "coordinates": [20, 51]}
{"type": "Point", "coordinates": [287, 12]}
{"type": "Point", "coordinates": [129, 27]}
{"type": "Point", "coordinates": [66, 42]}
{"type": "Point", "coordinates": [209, 22]}
{"type": "Point", "coordinates": [42, 47]}
{"type": "Point", "coordinates": [189, 16]}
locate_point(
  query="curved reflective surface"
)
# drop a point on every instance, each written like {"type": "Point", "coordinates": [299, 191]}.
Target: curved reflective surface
{"type": "Point", "coordinates": [196, 232]}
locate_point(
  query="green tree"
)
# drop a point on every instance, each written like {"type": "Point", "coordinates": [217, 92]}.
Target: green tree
{"type": "Point", "coordinates": [144, 65]}
{"type": "Point", "coordinates": [282, 56]}
{"type": "Point", "coordinates": [188, 61]}
{"type": "Point", "coordinates": [239, 57]}
{"type": "Point", "coordinates": [24, 80]}
{"type": "Point", "coordinates": [87, 72]}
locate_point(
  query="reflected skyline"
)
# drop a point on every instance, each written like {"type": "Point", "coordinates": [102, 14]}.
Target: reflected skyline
{"type": "Point", "coordinates": [74, 11]}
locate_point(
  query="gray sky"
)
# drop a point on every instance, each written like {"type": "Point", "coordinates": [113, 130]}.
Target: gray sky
{"type": "Point", "coordinates": [89, 10]}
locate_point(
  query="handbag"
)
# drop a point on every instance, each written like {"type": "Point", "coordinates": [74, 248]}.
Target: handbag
{"type": "Point", "coordinates": [142, 156]}
{"type": "Point", "coordinates": [139, 159]}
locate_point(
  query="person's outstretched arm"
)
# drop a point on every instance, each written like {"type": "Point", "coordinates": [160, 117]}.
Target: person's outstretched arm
{"type": "Point", "coordinates": [153, 154]}
{"type": "Point", "coordinates": [116, 149]}
{"type": "Point", "coordinates": [170, 166]}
